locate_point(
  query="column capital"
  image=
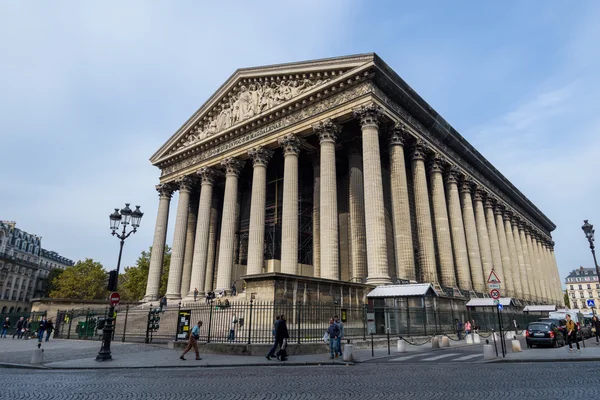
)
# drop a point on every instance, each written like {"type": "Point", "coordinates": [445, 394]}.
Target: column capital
{"type": "Point", "coordinates": [498, 209]}
{"type": "Point", "coordinates": [207, 175]}
{"type": "Point", "coordinates": [437, 163]}
{"type": "Point", "coordinates": [480, 194]}
{"type": "Point", "coordinates": [185, 183]}
{"type": "Point", "coordinates": [419, 150]}
{"type": "Point", "coordinates": [398, 135]}
{"type": "Point", "coordinates": [507, 215]}
{"type": "Point", "coordinates": [467, 185]}
{"type": "Point", "coordinates": [453, 176]}
{"type": "Point", "coordinates": [290, 144]}
{"type": "Point", "coordinates": [260, 156]}
{"type": "Point", "coordinates": [165, 190]}
{"type": "Point", "coordinates": [368, 115]}
{"type": "Point", "coordinates": [515, 221]}
{"type": "Point", "coordinates": [232, 166]}
{"type": "Point", "coordinates": [327, 130]}
{"type": "Point", "coordinates": [489, 202]}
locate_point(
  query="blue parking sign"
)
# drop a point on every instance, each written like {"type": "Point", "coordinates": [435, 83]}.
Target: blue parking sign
{"type": "Point", "coordinates": [591, 303]}
{"type": "Point", "coordinates": [500, 307]}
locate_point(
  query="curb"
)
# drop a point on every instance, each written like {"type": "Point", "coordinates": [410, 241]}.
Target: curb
{"type": "Point", "coordinates": [544, 360]}
{"type": "Point", "coordinates": [284, 364]}
{"type": "Point", "coordinates": [25, 366]}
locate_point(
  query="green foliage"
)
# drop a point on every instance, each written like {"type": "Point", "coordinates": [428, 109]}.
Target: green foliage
{"type": "Point", "coordinates": [48, 284]}
{"type": "Point", "coordinates": [567, 300]}
{"type": "Point", "coordinates": [86, 280]}
{"type": "Point", "coordinates": [132, 283]}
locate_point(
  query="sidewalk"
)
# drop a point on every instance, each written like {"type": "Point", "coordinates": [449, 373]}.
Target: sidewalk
{"type": "Point", "coordinates": [75, 354]}
{"type": "Point", "coordinates": [589, 353]}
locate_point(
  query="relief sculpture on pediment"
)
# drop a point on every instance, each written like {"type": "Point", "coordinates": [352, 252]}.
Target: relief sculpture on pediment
{"type": "Point", "coordinates": [250, 100]}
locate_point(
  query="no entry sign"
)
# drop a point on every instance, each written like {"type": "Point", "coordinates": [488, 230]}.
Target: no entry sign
{"type": "Point", "coordinates": [114, 298]}
{"type": "Point", "coordinates": [495, 293]}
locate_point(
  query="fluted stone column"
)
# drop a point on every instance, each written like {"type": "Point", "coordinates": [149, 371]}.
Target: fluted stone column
{"type": "Point", "coordinates": [521, 260]}
{"type": "Point", "coordinates": [544, 281]}
{"type": "Point", "coordinates": [157, 254]}
{"type": "Point", "coordinates": [561, 300]}
{"type": "Point", "coordinates": [534, 264]}
{"type": "Point", "coordinates": [514, 259]}
{"type": "Point", "coordinates": [485, 247]}
{"type": "Point", "coordinates": [232, 168]}
{"type": "Point", "coordinates": [316, 217]}
{"type": "Point", "coordinates": [423, 213]}
{"type": "Point", "coordinates": [471, 234]}
{"type": "Point", "coordinates": [212, 243]}
{"type": "Point", "coordinates": [459, 241]}
{"type": "Point", "coordinates": [256, 235]}
{"type": "Point", "coordinates": [527, 260]}
{"type": "Point", "coordinates": [356, 203]}
{"type": "Point", "coordinates": [177, 253]}
{"type": "Point", "coordinates": [377, 257]}
{"type": "Point", "coordinates": [188, 257]}
{"type": "Point", "coordinates": [494, 241]}
{"type": "Point", "coordinates": [538, 270]}
{"type": "Point", "coordinates": [207, 178]}
{"type": "Point", "coordinates": [290, 145]}
{"type": "Point", "coordinates": [442, 225]}
{"type": "Point", "coordinates": [403, 238]}
{"type": "Point", "coordinates": [329, 244]}
{"type": "Point", "coordinates": [549, 272]}
{"type": "Point", "coordinates": [506, 260]}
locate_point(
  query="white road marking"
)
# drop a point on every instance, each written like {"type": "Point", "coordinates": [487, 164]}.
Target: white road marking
{"type": "Point", "coordinates": [404, 358]}
{"type": "Point", "coordinates": [468, 357]}
{"type": "Point", "coordinates": [439, 357]}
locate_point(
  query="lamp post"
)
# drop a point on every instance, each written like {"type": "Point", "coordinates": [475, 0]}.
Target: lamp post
{"type": "Point", "coordinates": [124, 217]}
{"type": "Point", "coordinates": [588, 229]}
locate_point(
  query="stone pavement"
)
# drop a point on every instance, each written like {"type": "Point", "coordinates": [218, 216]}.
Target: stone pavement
{"type": "Point", "coordinates": [589, 353]}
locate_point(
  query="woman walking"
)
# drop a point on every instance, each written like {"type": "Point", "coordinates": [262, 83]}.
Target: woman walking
{"type": "Point", "coordinates": [596, 328]}
{"type": "Point", "coordinates": [193, 341]}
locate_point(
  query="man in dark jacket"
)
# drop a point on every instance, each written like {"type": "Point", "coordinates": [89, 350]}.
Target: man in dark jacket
{"type": "Point", "coordinates": [5, 327]}
{"type": "Point", "coordinates": [271, 352]}
{"type": "Point", "coordinates": [41, 329]}
{"type": "Point", "coordinates": [281, 334]}
{"type": "Point", "coordinates": [334, 334]}
{"type": "Point", "coordinates": [20, 328]}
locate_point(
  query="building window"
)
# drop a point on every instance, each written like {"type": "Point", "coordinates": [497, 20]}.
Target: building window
{"type": "Point", "coordinates": [581, 295]}
{"type": "Point", "coordinates": [597, 285]}
{"type": "Point", "coordinates": [589, 286]}
{"type": "Point", "coordinates": [572, 295]}
{"type": "Point", "coordinates": [580, 288]}
{"type": "Point", "coordinates": [571, 287]}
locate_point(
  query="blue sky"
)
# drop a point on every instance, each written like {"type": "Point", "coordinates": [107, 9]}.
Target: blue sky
{"type": "Point", "coordinates": [89, 90]}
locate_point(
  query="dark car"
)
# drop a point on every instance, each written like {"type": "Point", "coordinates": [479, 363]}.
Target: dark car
{"type": "Point", "coordinates": [542, 333]}
{"type": "Point", "coordinates": [561, 324]}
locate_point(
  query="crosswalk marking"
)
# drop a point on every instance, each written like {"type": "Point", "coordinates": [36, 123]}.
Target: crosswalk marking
{"type": "Point", "coordinates": [405, 357]}
{"type": "Point", "coordinates": [468, 357]}
{"type": "Point", "coordinates": [439, 357]}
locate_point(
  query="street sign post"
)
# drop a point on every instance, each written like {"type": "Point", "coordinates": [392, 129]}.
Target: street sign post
{"type": "Point", "coordinates": [493, 285]}
{"type": "Point", "coordinates": [495, 294]}
{"type": "Point", "coordinates": [591, 303]}
{"type": "Point", "coordinates": [500, 307]}
{"type": "Point", "coordinates": [496, 302]}
{"type": "Point", "coordinates": [114, 298]}
{"type": "Point", "coordinates": [493, 278]}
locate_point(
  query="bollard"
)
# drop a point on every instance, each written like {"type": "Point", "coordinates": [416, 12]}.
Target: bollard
{"type": "Point", "coordinates": [488, 352]}
{"type": "Point", "coordinates": [401, 346]}
{"type": "Point", "coordinates": [348, 352]}
{"type": "Point", "coordinates": [476, 338]}
{"type": "Point", "coordinates": [38, 356]}
{"type": "Point", "coordinates": [516, 346]}
{"type": "Point", "coordinates": [445, 341]}
{"type": "Point", "coordinates": [469, 339]}
{"type": "Point", "coordinates": [435, 343]}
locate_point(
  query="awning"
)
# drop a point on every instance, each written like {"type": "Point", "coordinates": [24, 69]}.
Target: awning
{"type": "Point", "coordinates": [505, 301]}
{"type": "Point", "coordinates": [417, 289]}
{"type": "Point", "coordinates": [540, 308]}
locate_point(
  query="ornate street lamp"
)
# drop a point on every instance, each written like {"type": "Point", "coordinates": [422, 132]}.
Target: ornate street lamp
{"type": "Point", "coordinates": [123, 217]}
{"type": "Point", "coordinates": [588, 229]}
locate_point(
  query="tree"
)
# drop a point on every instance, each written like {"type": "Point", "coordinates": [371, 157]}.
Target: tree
{"type": "Point", "coordinates": [86, 280]}
{"type": "Point", "coordinates": [567, 300]}
{"type": "Point", "coordinates": [132, 283]}
{"type": "Point", "coordinates": [48, 283]}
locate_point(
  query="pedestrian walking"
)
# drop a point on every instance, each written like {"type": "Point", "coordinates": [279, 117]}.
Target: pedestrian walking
{"type": "Point", "coordinates": [233, 289]}
{"type": "Point", "coordinates": [26, 329]}
{"type": "Point", "coordinates": [572, 333]}
{"type": "Point", "coordinates": [234, 322]}
{"type": "Point", "coordinates": [19, 331]}
{"type": "Point", "coordinates": [5, 327]}
{"type": "Point", "coordinates": [596, 328]}
{"type": "Point", "coordinates": [193, 341]}
{"type": "Point", "coordinates": [458, 326]}
{"type": "Point", "coordinates": [467, 327]}
{"type": "Point", "coordinates": [195, 294]}
{"type": "Point", "coordinates": [282, 335]}
{"type": "Point", "coordinates": [341, 335]}
{"type": "Point", "coordinates": [334, 332]}
{"type": "Point", "coordinates": [49, 329]}
{"type": "Point", "coordinates": [42, 329]}
{"type": "Point", "coordinates": [271, 352]}
{"type": "Point", "coordinates": [163, 303]}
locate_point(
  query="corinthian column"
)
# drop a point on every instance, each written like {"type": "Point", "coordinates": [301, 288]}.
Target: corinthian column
{"type": "Point", "coordinates": [494, 241]}
{"type": "Point", "coordinates": [459, 241]}
{"type": "Point", "coordinates": [442, 226]}
{"type": "Point", "coordinates": [232, 168]}
{"type": "Point", "coordinates": [289, 215]}
{"type": "Point", "coordinates": [560, 299]}
{"type": "Point", "coordinates": [471, 234]}
{"type": "Point", "coordinates": [212, 243]}
{"type": "Point", "coordinates": [176, 267]}
{"type": "Point", "coordinates": [527, 260]}
{"type": "Point", "coordinates": [207, 177]}
{"type": "Point", "coordinates": [157, 254]}
{"type": "Point", "coordinates": [549, 273]}
{"type": "Point", "coordinates": [316, 217]}
{"type": "Point", "coordinates": [521, 259]}
{"type": "Point", "coordinates": [403, 239]}
{"type": "Point", "coordinates": [506, 261]}
{"type": "Point", "coordinates": [423, 212]}
{"type": "Point", "coordinates": [534, 264]}
{"type": "Point", "coordinates": [539, 271]}
{"type": "Point", "coordinates": [368, 117]}
{"type": "Point", "coordinates": [512, 250]}
{"type": "Point", "coordinates": [329, 245]}
{"type": "Point", "coordinates": [189, 247]}
{"type": "Point", "coordinates": [256, 235]}
{"type": "Point", "coordinates": [356, 202]}
{"type": "Point", "coordinates": [485, 247]}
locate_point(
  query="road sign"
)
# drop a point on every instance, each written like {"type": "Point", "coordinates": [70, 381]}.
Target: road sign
{"type": "Point", "coordinates": [496, 302]}
{"type": "Point", "coordinates": [114, 298]}
{"type": "Point", "coordinates": [500, 307]}
{"type": "Point", "coordinates": [493, 278]}
{"type": "Point", "coordinates": [494, 285]}
{"type": "Point", "coordinates": [495, 293]}
{"type": "Point", "coordinates": [591, 303]}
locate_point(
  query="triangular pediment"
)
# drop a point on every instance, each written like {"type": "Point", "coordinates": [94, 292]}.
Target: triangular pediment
{"type": "Point", "coordinates": [253, 93]}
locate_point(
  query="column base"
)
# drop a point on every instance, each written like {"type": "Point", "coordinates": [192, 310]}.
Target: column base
{"type": "Point", "coordinates": [149, 299]}
{"type": "Point", "coordinates": [173, 296]}
{"type": "Point", "coordinates": [379, 280]}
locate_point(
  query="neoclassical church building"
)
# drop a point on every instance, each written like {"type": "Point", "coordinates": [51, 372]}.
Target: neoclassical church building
{"type": "Point", "coordinates": [323, 179]}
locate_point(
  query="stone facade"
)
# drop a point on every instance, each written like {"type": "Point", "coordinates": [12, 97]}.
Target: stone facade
{"type": "Point", "coordinates": [336, 169]}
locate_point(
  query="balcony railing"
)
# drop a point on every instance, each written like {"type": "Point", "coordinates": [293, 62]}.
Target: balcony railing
{"type": "Point", "coordinates": [8, 257]}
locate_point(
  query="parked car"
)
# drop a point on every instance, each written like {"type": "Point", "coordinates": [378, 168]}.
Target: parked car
{"type": "Point", "coordinates": [541, 333]}
{"type": "Point", "coordinates": [561, 324]}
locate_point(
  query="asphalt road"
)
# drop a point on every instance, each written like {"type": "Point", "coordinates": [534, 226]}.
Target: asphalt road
{"type": "Point", "coordinates": [363, 381]}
